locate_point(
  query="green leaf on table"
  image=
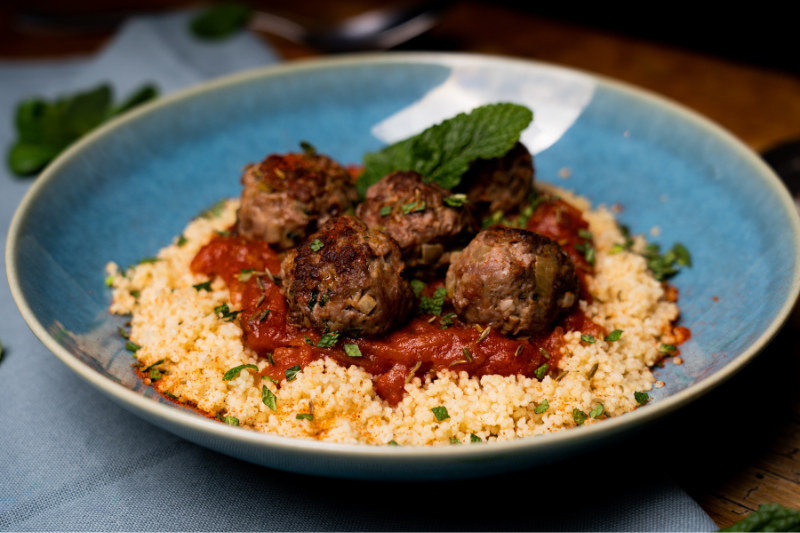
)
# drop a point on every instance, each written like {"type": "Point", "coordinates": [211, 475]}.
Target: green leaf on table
{"type": "Point", "coordinates": [443, 153]}
{"type": "Point", "coordinates": [221, 20]}
{"type": "Point", "coordinates": [45, 129]}
{"type": "Point", "coordinates": [769, 517]}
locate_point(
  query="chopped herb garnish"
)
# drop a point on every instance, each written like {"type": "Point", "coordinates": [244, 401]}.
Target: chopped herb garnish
{"type": "Point", "coordinates": [474, 438]}
{"type": "Point", "coordinates": [392, 443]}
{"type": "Point", "coordinates": [541, 371]}
{"type": "Point", "coordinates": [170, 395]}
{"type": "Point", "coordinates": [264, 315]}
{"type": "Point", "coordinates": [325, 299]}
{"type": "Point", "coordinates": [269, 398]}
{"type": "Point", "coordinates": [149, 368]}
{"type": "Point", "coordinates": [454, 440]}
{"type": "Point", "coordinates": [467, 354]}
{"type": "Point", "coordinates": [225, 313]}
{"type": "Point", "coordinates": [597, 411]}
{"type": "Point", "coordinates": [270, 359]}
{"type": "Point", "coordinates": [313, 300]}
{"type": "Point", "coordinates": [614, 336]}
{"type": "Point", "coordinates": [123, 333]}
{"type": "Point", "coordinates": [135, 294]}
{"type": "Point", "coordinates": [588, 251]}
{"type": "Point", "coordinates": [417, 286]}
{"type": "Point", "coordinates": [223, 233]}
{"type": "Point", "coordinates": [455, 200]}
{"type": "Point", "coordinates": [317, 245]}
{"type": "Point", "coordinates": [233, 372]}
{"type": "Point", "coordinates": [352, 350]}
{"type": "Point", "coordinates": [578, 416]}
{"type": "Point", "coordinates": [542, 407]}
{"type": "Point", "coordinates": [668, 264]}
{"type": "Point", "coordinates": [215, 211]}
{"type": "Point", "coordinates": [433, 305]}
{"type": "Point", "coordinates": [413, 207]}
{"type": "Point", "coordinates": [155, 374]}
{"type": "Point", "coordinates": [182, 240]}
{"type": "Point", "coordinates": [446, 321]}
{"type": "Point", "coordinates": [308, 341]}
{"type": "Point", "coordinates": [308, 148]}
{"type": "Point", "coordinates": [291, 373]}
{"type": "Point", "coordinates": [588, 338]}
{"type": "Point", "coordinates": [110, 281]}
{"type": "Point", "coordinates": [496, 217]}
{"type": "Point", "coordinates": [682, 255]}
{"type": "Point", "coordinates": [231, 420]}
{"type": "Point", "coordinates": [131, 347]}
{"type": "Point", "coordinates": [440, 413]}
{"type": "Point", "coordinates": [385, 210]}
{"type": "Point", "coordinates": [641, 397]}
{"type": "Point", "coordinates": [148, 260]}
{"type": "Point", "coordinates": [617, 248]}
{"type": "Point", "coordinates": [305, 416]}
{"type": "Point", "coordinates": [205, 286]}
{"type": "Point", "coordinates": [668, 348]}
{"type": "Point", "coordinates": [328, 340]}
{"type": "Point", "coordinates": [585, 234]}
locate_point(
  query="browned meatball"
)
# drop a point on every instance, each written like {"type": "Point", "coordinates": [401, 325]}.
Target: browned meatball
{"type": "Point", "coordinates": [500, 184]}
{"type": "Point", "coordinates": [511, 279]}
{"type": "Point", "coordinates": [347, 278]}
{"type": "Point", "coordinates": [286, 197]}
{"type": "Point", "coordinates": [415, 214]}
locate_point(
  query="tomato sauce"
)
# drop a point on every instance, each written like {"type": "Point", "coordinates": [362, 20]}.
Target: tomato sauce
{"type": "Point", "coordinates": [426, 343]}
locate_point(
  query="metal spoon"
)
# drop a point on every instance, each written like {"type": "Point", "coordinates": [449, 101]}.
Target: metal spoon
{"type": "Point", "coordinates": [378, 29]}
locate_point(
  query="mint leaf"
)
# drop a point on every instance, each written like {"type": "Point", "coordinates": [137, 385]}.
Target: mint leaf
{"type": "Point", "coordinates": [306, 416]}
{"type": "Point", "coordinates": [221, 20]}
{"type": "Point", "coordinates": [442, 153]}
{"type": "Point", "coordinates": [329, 340]}
{"type": "Point", "coordinates": [769, 517]}
{"type": "Point", "coordinates": [597, 411]}
{"type": "Point", "coordinates": [291, 373]}
{"type": "Point", "coordinates": [578, 416]}
{"type": "Point", "coordinates": [417, 286]}
{"type": "Point", "coordinates": [641, 397]}
{"type": "Point", "coordinates": [352, 350]}
{"type": "Point", "coordinates": [269, 398]}
{"type": "Point", "coordinates": [542, 407]}
{"type": "Point", "coordinates": [440, 413]}
{"type": "Point", "coordinates": [142, 95]}
{"type": "Point", "coordinates": [233, 372]}
{"type": "Point", "coordinates": [474, 438]}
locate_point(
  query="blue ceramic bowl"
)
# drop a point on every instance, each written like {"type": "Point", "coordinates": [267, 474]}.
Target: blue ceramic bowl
{"type": "Point", "coordinates": [125, 190]}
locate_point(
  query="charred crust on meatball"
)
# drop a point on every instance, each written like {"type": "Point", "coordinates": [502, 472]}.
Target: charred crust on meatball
{"type": "Point", "coordinates": [499, 184]}
{"type": "Point", "coordinates": [415, 214]}
{"type": "Point", "coordinates": [346, 278]}
{"type": "Point", "coordinates": [286, 197]}
{"type": "Point", "coordinates": [512, 279]}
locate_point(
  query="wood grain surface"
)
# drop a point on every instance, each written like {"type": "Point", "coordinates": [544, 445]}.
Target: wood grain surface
{"type": "Point", "coordinates": [739, 446]}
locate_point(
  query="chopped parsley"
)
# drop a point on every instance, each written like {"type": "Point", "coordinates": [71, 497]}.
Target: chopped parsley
{"type": "Point", "coordinates": [325, 299]}
{"type": "Point", "coordinates": [291, 373]}
{"type": "Point", "coordinates": [542, 407]}
{"type": "Point", "coordinates": [225, 313]}
{"type": "Point", "coordinates": [392, 443]}
{"type": "Point", "coordinates": [264, 315]}
{"type": "Point", "coordinates": [182, 240]}
{"type": "Point", "coordinates": [170, 395]}
{"type": "Point", "coordinates": [135, 294]}
{"type": "Point", "coordinates": [352, 350]}
{"type": "Point", "coordinates": [585, 234]}
{"type": "Point", "coordinates": [668, 264]}
{"type": "Point", "coordinates": [447, 320]}
{"type": "Point", "coordinates": [433, 305]}
{"type": "Point", "coordinates": [233, 372]}
{"type": "Point", "coordinates": [578, 416]}
{"type": "Point", "coordinates": [682, 255]}
{"type": "Point", "coordinates": [454, 440]}
{"type": "Point", "coordinates": [215, 211]}
{"type": "Point", "coordinates": [132, 347]}
{"type": "Point", "coordinates": [417, 286]}
{"type": "Point", "coordinates": [597, 411]}
{"type": "Point", "coordinates": [155, 374]}
{"type": "Point", "coordinates": [668, 348]}
{"type": "Point", "coordinates": [455, 200]}
{"type": "Point", "coordinates": [440, 413]}
{"type": "Point", "coordinates": [328, 340]}
{"type": "Point", "coordinates": [223, 233]}
{"type": "Point", "coordinates": [385, 210]}
{"type": "Point", "coordinates": [588, 339]}
{"type": "Point", "coordinates": [541, 371]}
{"type": "Point", "coordinates": [123, 333]}
{"type": "Point", "coordinates": [305, 416]}
{"type": "Point", "coordinates": [308, 341]}
{"type": "Point", "coordinates": [588, 251]}
{"type": "Point", "coordinates": [495, 218]}
{"type": "Point", "coordinates": [149, 368]}
{"type": "Point", "coordinates": [147, 260]}
{"type": "Point", "coordinates": [205, 286]}
{"type": "Point", "coordinates": [614, 336]}
{"type": "Point", "coordinates": [269, 398]}
{"type": "Point", "coordinates": [413, 207]}
{"type": "Point", "coordinates": [230, 420]}
{"type": "Point", "coordinates": [474, 438]}
{"type": "Point", "coordinates": [317, 245]}
{"type": "Point", "coordinates": [270, 359]}
{"type": "Point", "coordinates": [308, 148]}
{"type": "Point", "coordinates": [641, 397]}
{"type": "Point", "coordinates": [110, 281]}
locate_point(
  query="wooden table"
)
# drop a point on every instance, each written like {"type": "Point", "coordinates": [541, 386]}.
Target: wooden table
{"type": "Point", "coordinates": [739, 446]}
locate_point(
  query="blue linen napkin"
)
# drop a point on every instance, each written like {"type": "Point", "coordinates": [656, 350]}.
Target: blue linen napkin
{"type": "Point", "coordinates": [73, 460]}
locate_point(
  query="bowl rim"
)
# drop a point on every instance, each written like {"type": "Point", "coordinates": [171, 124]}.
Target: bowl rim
{"type": "Point", "coordinates": [178, 418]}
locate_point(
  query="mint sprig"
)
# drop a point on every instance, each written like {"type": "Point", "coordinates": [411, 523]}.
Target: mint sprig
{"type": "Point", "coordinates": [442, 153]}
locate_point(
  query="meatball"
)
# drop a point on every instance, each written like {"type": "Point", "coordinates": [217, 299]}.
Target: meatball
{"type": "Point", "coordinates": [286, 197]}
{"type": "Point", "coordinates": [415, 214]}
{"type": "Point", "coordinates": [346, 278]}
{"type": "Point", "coordinates": [499, 184]}
{"type": "Point", "coordinates": [511, 279]}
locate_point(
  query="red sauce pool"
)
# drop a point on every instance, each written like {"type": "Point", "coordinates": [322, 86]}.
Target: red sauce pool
{"type": "Point", "coordinates": [420, 346]}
